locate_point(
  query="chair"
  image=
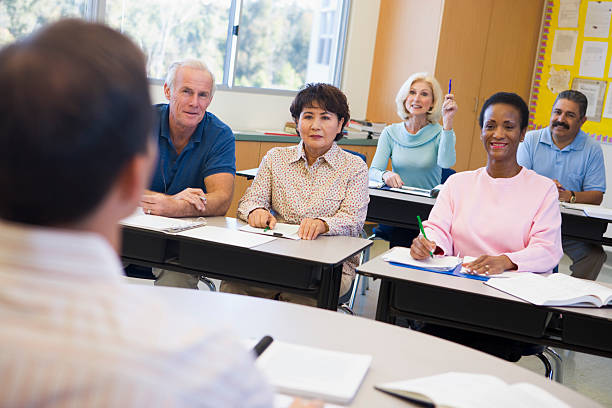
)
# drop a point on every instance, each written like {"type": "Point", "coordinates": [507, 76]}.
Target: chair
{"type": "Point", "coordinates": [145, 272]}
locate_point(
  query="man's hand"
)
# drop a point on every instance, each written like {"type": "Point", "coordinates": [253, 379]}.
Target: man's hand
{"type": "Point", "coordinates": [392, 179]}
{"type": "Point", "coordinates": [261, 218]}
{"type": "Point", "coordinates": [310, 228]}
{"type": "Point", "coordinates": [161, 204]}
{"type": "Point", "coordinates": [490, 265]}
{"type": "Point", "coordinates": [564, 195]}
{"type": "Point", "coordinates": [194, 196]}
{"type": "Point", "coordinates": [422, 248]}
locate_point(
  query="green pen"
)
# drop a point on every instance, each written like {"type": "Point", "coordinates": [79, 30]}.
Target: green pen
{"type": "Point", "coordinates": [423, 232]}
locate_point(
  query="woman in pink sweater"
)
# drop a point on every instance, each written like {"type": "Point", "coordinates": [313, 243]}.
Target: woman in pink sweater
{"type": "Point", "coordinates": [505, 215]}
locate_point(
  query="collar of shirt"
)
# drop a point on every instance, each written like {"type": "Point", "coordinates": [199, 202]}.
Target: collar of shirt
{"type": "Point", "coordinates": [577, 144]}
{"type": "Point", "coordinates": [196, 137]}
{"type": "Point", "coordinates": [333, 156]}
{"type": "Point", "coordinates": [56, 254]}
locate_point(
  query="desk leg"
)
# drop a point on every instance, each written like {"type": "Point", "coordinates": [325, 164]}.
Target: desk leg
{"type": "Point", "coordinates": [384, 299]}
{"type": "Point", "coordinates": [330, 286]}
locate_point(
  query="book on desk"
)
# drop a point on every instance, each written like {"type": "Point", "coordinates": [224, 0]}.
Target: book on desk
{"type": "Point", "coordinates": [310, 372]}
{"type": "Point", "coordinates": [556, 289]}
{"type": "Point", "coordinates": [467, 390]}
{"type": "Point", "coordinates": [423, 192]}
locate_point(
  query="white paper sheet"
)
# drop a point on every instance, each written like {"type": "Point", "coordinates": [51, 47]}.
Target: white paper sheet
{"type": "Point", "coordinates": [593, 59]}
{"type": "Point", "coordinates": [402, 256]}
{"type": "Point", "coordinates": [312, 372]}
{"type": "Point", "coordinates": [569, 10]}
{"type": "Point", "coordinates": [564, 47]}
{"type": "Point", "coordinates": [162, 224]}
{"type": "Point", "coordinates": [607, 112]}
{"type": "Point", "coordinates": [597, 23]}
{"type": "Point", "coordinates": [591, 91]}
{"type": "Point", "coordinates": [227, 236]}
{"type": "Point", "coordinates": [281, 230]}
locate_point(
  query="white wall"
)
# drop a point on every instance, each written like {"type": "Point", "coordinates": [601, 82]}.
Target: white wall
{"type": "Point", "coordinates": [249, 111]}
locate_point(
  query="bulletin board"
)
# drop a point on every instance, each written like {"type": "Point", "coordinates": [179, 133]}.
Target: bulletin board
{"type": "Point", "coordinates": [572, 58]}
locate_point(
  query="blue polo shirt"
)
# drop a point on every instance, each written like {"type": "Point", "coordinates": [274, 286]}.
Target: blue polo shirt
{"type": "Point", "coordinates": [210, 150]}
{"type": "Point", "coordinates": [578, 167]}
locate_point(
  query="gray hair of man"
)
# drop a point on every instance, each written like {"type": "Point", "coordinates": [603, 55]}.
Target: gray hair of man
{"type": "Point", "coordinates": [191, 63]}
{"type": "Point", "coordinates": [435, 113]}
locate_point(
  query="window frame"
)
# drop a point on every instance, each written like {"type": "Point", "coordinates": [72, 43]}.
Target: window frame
{"type": "Point", "coordinates": [96, 12]}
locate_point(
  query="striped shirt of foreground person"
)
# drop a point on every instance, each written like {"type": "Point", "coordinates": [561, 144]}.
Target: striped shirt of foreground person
{"type": "Point", "coordinates": [74, 334]}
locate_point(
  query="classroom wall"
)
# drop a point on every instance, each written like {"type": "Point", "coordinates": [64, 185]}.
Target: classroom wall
{"type": "Point", "coordinates": [249, 110]}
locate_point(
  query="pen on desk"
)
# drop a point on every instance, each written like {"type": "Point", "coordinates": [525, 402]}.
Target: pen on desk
{"type": "Point", "coordinates": [262, 345]}
{"type": "Point", "coordinates": [449, 85]}
{"type": "Point", "coordinates": [267, 228]}
{"type": "Point", "coordinates": [423, 232]}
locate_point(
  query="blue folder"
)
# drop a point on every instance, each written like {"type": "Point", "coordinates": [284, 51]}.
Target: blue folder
{"type": "Point", "coordinates": [454, 272]}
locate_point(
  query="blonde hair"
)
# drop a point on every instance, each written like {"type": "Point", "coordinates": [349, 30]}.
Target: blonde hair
{"type": "Point", "coordinates": [434, 115]}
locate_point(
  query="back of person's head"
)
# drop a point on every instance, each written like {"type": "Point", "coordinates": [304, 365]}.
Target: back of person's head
{"type": "Point", "coordinates": [435, 114]}
{"type": "Point", "coordinates": [324, 96]}
{"type": "Point", "coordinates": [75, 109]}
{"type": "Point", "coordinates": [189, 63]}
{"type": "Point", "coordinates": [576, 97]}
{"type": "Point", "coordinates": [508, 98]}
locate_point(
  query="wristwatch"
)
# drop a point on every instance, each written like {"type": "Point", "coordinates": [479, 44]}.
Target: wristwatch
{"type": "Point", "coordinates": [572, 197]}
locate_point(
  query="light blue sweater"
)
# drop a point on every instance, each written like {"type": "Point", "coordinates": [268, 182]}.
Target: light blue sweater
{"type": "Point", "coordinates": [419, 158]}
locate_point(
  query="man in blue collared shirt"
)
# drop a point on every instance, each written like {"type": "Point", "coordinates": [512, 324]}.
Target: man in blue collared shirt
{"type": "Point", "coordinates": [575, 162]}
{"type": "Point", "coordinates": [194, 174]}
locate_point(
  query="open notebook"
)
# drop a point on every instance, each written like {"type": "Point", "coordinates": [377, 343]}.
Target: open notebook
{"type": "Point", "coordinates": [557, 289]}
{"type": "Point", "coordinates": [162, 224]}
{"type": "Point", "coordinates": [310, 372]}
{"type": "Point", "coordinates": [423, 192]}
{"type": "Point", "coordinates": [590, 210]}
{"type": "Point", "coordinates": [466, 390]}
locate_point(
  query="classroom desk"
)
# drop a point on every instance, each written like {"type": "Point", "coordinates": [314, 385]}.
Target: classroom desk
{"type": "Point", "coordinates": [249, 174]}
{"type": "Point", "coordinates": [470, 304]}
{"type": "Point", "coordinates": [312, 268]}
{"type": "Point", "coordinates": [401, 210]}
{"type": "Point", "coordinates": [398, 354]}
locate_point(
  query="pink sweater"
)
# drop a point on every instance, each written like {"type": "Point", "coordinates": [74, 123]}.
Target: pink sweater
{"type": "Point", "coordinates": [519, 217]}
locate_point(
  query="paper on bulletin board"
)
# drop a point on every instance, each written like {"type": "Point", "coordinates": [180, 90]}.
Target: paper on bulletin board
{"type": "Point", "coordinates": [593, 59]}
{"type": "Point", "coordinates": [559, 80]}
{"type": "Point", "coordinates": [564, 47]}
{"type": "Point", "coordinates": [597, 23]}
{"type": "Point", "coordinates": [607, 113]}
{"type": "Point", "coordinates": [594, 92]}
{"type": "Point", "coordinates": [569, 10]}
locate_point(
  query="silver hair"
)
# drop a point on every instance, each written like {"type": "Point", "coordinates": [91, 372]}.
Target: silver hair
{"type": "Point", "coordinates": [436, 110]}
{"type": "Point", "coordinates": [191, 63]}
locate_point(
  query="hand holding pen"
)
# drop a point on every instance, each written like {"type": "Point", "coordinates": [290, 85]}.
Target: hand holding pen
{"type": "Point", "coordinates": [421, 247]}
{"type": "Point", "coordinates": [261, 218]}
{"type": "Point", "coordinates": [449, 108]}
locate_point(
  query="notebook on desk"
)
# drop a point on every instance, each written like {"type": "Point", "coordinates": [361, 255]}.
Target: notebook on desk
{"type": "Point", "coordinates": [281, 230]}
{"type": "Point", "coordinates": [423, 192]}
{"type": "Point", "coordinates": [310, 372]}
{"type": "Point", "coordinates": [162, 224]}
{"type": "Point", "coordinates": [467, 390]}
{"type": "Point", "coordinates": [590, 210]}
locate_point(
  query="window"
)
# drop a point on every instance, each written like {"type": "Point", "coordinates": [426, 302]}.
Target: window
{"type": "Point", "coordinates": [273, 44]}
{"type": "Point", "coordinates": [21, 17]}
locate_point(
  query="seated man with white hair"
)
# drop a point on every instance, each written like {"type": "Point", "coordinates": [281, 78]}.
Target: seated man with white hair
{"type": "Point", "coordinates": [194, 174]}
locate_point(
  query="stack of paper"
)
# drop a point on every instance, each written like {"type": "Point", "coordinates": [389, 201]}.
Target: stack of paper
{"type": "Point", "coordinates": [557, 289]}
{"type": "Point", "coordinates": [465, 390]}
{"type": "Point", "coordinates": [590, 210]}
{"type": "Point", "coordinates": [310, 372]}
{"type": "Point", "coordinates": [402, 256]}
{"type": "Point", "coordinates": [281, 230]}
{"type": "Point", "coordinates": [161, 224]}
